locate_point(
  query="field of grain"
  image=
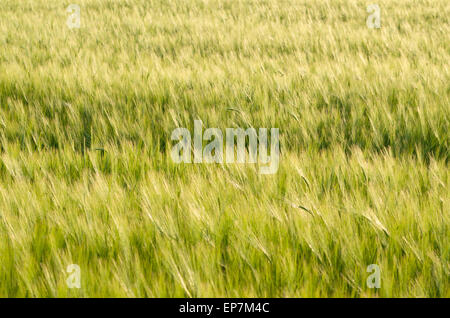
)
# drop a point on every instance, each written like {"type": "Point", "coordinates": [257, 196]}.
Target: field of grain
{"type": "Point", "coordinates": [86, 176]}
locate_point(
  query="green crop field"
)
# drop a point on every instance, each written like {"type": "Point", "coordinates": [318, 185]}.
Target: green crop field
{"type": "Point", "coordinates": [86, 175]}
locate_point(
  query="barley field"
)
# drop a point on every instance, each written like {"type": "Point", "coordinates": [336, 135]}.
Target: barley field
{"type": "Point", "coordinates": [86, 176]}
